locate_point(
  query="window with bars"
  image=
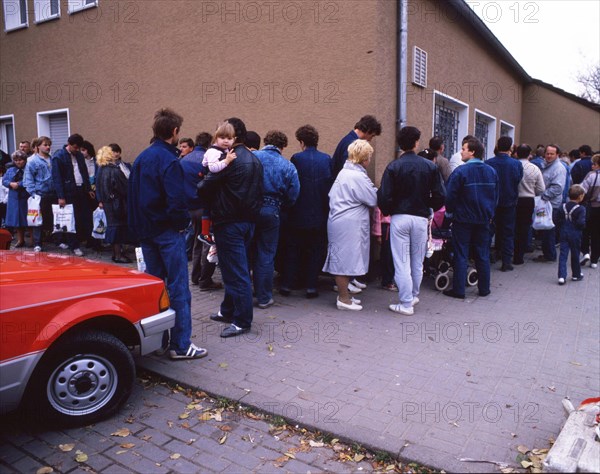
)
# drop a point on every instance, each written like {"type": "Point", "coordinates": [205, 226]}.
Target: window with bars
{"type": "Point", "coordinates": [482, 130]}
{"type": "Point", "coordinates": [46, 10]}
{"type": "Point", "coordinates": [78, 5]}
{"type": "Point", "coordinates": [420, 67]}
{"type": "Point", "coordinates": [446, 126]}
{"type": "Point", "coordinates": [15, 14]}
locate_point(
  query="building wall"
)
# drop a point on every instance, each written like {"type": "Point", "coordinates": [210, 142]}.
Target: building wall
{"type": "Point", "coordinates": [280, 66]}
{"type": "Point", "coordinates": [459, 65]}
{"type": "Point", "coordinates": [549, 117]}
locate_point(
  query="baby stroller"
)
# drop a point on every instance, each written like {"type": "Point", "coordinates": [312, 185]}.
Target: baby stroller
{"type": "Point", "coordinates": [438, 263]}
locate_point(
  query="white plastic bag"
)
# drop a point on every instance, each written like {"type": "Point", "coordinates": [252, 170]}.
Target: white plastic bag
{"type": "Point", "coordinates": [34, 214]}
{"type": "Point", "coordinates": [64, 219]}
{"type": "Point", "coordinates": [139, 257]}
{"type": "Point", "coordinates": [542, 214]}
{"type": "Point", "coordinates": [99, 228]}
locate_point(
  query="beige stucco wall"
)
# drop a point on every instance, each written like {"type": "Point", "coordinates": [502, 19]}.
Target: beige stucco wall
{"type": "Point", "coordinates": [549, 117]}
{"type": "Point", "coordinates": [459, 65]}
{"type": "Point", "coordinates": [280, 66]}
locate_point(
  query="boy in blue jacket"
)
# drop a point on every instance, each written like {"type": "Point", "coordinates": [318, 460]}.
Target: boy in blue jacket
{"type": "Point", "coordinates": [572, 221]}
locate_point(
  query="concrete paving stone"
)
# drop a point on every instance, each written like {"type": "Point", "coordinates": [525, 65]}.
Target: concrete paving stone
{"type": "Point", "coordinates": [263, 453]}
{"type": "Point", "coordinates": [246, 461]}
{"type": "Point", "coordinates": [28, 464]}
{"type": "Point", "coordinates": [214, 462]}
{"type": "Point", "coordinates": [135, 463]}
{"type": "Point", "coordinates": [39, 449]}
{"type": "Point", "coordinates": [153, 452]}
{"type": "Point", "coordinates": [97, 462]}
{"type": "Point", "coordinates": [182, 466]}
{"type": "Point", "coordinates": [296, 465]}
{"type": "Point", "coordinates": [10, 454]}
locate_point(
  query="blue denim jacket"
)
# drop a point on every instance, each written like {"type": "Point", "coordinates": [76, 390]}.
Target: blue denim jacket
{"type": "Point", "coordinates": [280, 178]}
{"type": "Point", "coordinates": [38, 176]}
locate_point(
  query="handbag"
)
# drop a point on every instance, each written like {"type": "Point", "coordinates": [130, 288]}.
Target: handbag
{"type": "Point", "coordinates": [542, 214]}
{"type": "Point", "coordinates": [64, 219]}
{"type": "Point", "coordinates": [99, 227]}
{"type": "Point", "coordinates": [34, 214]}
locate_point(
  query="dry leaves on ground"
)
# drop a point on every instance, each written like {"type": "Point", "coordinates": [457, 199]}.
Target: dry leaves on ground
{"type": "Point", "coordinates": [123, 432]}
{"type": "Point", "coordinates": [65, 448]}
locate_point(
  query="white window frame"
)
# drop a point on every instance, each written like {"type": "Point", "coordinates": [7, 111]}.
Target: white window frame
{"type": "Point", "coordinates": [41, 7]}
{"type": "Point", "coordinates": [463, 116]}
{"type": "Point", "coordinates": [512, 129]}
{"type": "Point", "coordinates": [3, 137]}
{"type": "Point", "coordinates": [419, 57]}
{"type": "Point", "coordinates": [8, 15]}
{"type": "Point", "coordinates": [75, 6]}
{"type": "Point", "coordinates": [43, 122]}
{"type": "Point", "coordinates": [492, 123]}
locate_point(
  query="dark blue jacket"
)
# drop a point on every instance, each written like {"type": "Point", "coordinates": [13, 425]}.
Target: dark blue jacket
{"type": "Point", "coordinates": [472, 193]}
{"type": "Point", "coordinates": [341, 153]}
{"type": "Point", "coordinates": [538, 161]}
{"type": "Point", "coordinates": [63, 175]}
{"type": "Point", "coordinates": [156, 198]}
{"type": "Point", "coordinates": [581, 169]}
{"type": "Point", "coordinates": [193, 172]}
{"type": "Point", "coordinates": [574, 223]}
{"type": "Point", "coordinates": [510, 173]}
{"type": "Point", "coordinates": [312, 206]}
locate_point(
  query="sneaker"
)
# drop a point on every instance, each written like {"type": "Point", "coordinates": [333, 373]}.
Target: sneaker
{"type": "Point", "coordinates": [585, 259]}
{"type": "Point", "coordinates": [398, 308]}
{"type": "Point", "coordinates": [358, 284]}
{"type": "Point", "coordinates": [206, 238]}
{"type": "Point", "coordinates": [352, 306]}
{"type": "Point", "coordinates": [355, 301]}
{"type": "Point", "coordinates": [266, 305]}
{"type": "Point", "coordinates": [415, 301]}
{"type": "Point", "coordinates": [63, 246]}
{"type": "Point", "coordinates": [593, 265]}
{"type": "Point", "coordinates": [193, 352]}
{"type": "Point", "coordinates": [212, 256]}
{"type": "Point", "coordinates": [390, 287]}
{"type": "Point", "coordinates": [78, 252]}
{"type": "Point", "coordinates": [577, 278]}
{"type": "Point", "coordinates": [351, 289]}
{"type": "Point", "coordinates": [561, 281]}
{"type": "Point", "coordinates": [37, 248]}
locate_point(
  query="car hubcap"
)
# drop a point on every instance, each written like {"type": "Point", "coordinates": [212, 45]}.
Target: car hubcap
{"type": "Point", "coordinates": [82, 385]}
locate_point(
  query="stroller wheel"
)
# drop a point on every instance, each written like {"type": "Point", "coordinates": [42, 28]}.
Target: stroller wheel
{"type": "Point", "coordinates": [442, 282]}
{"type": "Point", "coordinates": [472, 277]}
{"type": "Point", "coordinates": [443, 267]}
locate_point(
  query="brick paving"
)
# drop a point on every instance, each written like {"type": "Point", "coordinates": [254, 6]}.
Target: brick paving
{"type": "Point", "coordinates": [459, 379]}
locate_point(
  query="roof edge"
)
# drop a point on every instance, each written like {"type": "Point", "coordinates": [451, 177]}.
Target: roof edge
{"type": "Point", "coordinates": [568, 95]}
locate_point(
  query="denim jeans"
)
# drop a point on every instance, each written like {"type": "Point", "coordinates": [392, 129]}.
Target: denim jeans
{"type": "Point", "coordinates": [266, 237]}
{"type": "Point", "coordinates": [166, 259]}
{"type": "Point", "coordinates": [408, 236]}
{"type": "Point", "coordinates": [233, 244]}
{"type": "Point", "coordinates": [505, 233]}
{"type": "Point", "coordinates": [570, 240]}
{"type": "Point", "coordinates": [385, 257]}
{"type": "Point", "coordinates": [549, 238]}
{"type": "Point", "coordinates": [465, 237]}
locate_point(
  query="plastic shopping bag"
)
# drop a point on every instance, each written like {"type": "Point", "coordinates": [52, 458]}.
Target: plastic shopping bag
{"type": "Point", "coordinates": [34, 214]}
{"type": "Point", "coordinates": [64, 219]}
{"type": "Point", "coordinates": [542, 214]}
{"type": "Point", "coordinates": [99, 227]}
{"type": "Point", "coordinates": [139, 257]}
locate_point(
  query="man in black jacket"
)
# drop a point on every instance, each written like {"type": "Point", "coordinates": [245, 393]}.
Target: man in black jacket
{"type": "Point", "coordinates": [411, 185]}
{"type": "Point", "coordinates": [236, 196]}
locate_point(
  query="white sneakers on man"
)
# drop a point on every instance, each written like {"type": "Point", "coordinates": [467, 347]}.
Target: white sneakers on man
{"type": "Point", "coordinates": [398, 308]}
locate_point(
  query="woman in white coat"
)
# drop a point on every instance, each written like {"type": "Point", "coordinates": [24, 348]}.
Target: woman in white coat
{"type": "Point", "coordinates": [350, 198]}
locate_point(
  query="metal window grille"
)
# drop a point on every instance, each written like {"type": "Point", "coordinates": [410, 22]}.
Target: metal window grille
{"type": "Point", "coordinates": [23, 11]}
{"type": "Point", "coordinates": [505, 130]}
{"type": "Point", "coordinates": [482, 131]}
{"type": "Point", "coordinates": [420, 67]}
{"type": "Point", "coordinates": [446, 126]}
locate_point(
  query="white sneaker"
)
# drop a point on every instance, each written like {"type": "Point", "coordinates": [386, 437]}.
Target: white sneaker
{"type": "Point", "coordinates": [561, 281]}
{"type": "Point", "coordinates": [593, 265]}
{"type": "Point", "coordinates": [398, 308]}
{"type": "Point", "coordinates": [63, 246]}
{"type": "Point", "coordinates": [78, 252]}
{"type": "Point", "coordinates": [415, 301]}
{"type": "Point", "coordinates": [352, 306]}
{"type": "Point", "coordinates": [37, 248]}
{"type": "Point", "coordinates": [351, 289]}
{"type": "Point", "coordinates": [358, 284]}
{"type": "Point", "coordinates": [354, 300]}
{"type": "Point", "coordinates": [585, 259]}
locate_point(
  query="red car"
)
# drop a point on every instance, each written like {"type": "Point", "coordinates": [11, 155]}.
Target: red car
{"type": "Point", "coordinates": [67, 329]}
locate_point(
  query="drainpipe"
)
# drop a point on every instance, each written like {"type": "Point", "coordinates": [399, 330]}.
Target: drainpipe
{"type": "Point", "coordinates": [402, 60]}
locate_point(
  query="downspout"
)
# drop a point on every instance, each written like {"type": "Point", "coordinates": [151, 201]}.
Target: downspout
{"type": "Point", "coordinates": [402, 60]}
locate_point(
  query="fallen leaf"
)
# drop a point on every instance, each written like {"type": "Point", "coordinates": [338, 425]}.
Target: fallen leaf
{"type": "Point", "coordinates": [334, 441]}
{"type": "Point", "coordinates": [551, 440]}
{"type": "Point", "coordinates": [522, 449]}
{"type": "Point", "coordinates": [270, 347]}
{"type": "Point", "coordinates": [507, 470]}
{"type": "Point", "coordinates": [65, 448]}
{"type": "Point", "coordinates": [223, 365]}
{"type": "Point", "coordinates": [175, 456]}
{"type": "Point", "coordinates": [205, 416]}
{"type": "Point", "coordinates": [127, 445]}
{"type": "Point", "coordinates": [80, 456]}
{"type": "Point", "coordinates": [130, 420]}
{"type": "Point", "coordinates": [290, 455]}
{"type": "Point", "coordinates": [223, 438]}
{"type": "Point", "coordinates": [575, 363]}
{"type": "Point", "coordinates": [170, 424]}
{"type": "Point", "coordinates": [44, 470]}
{"type": "Point", "coordinates": [122, 451]}
{"type": "Point", "coordinates": [146, 437]}
{"type": "Point", "coordinates": [217, 416]}
{"type": "Point", "coordinates": [282, 459]}
{"type": "Point", "coordinates": [540, 451]}
{"type": "Point", "coordinates": [358, 457]}
{"type": "Point", "coordinates": [122, 432]}
{"type": "Point", "coordinates": [526, 464]}
{"type": "Point", "coordinates": [225, 428]}
{"type": "Point", "coordinates": [253, 416]}
{"type": "Point", "coordinates": [552, 389]}
{"type": "Point", "coordinates": [390, 467]}
{"type": "Point", "coordinates": [191, 441]}
{"type": "Point", "coordinates": [183, 416]}
{"type": "Point", "coordinates": [185, 425]}
{"type": "Point", "coordinates": [201, 394]}
{"type": "Point", "coordinates": [316, 444]}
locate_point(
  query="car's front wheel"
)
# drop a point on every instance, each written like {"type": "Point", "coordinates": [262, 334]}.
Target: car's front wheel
{"type": "Point", "coordinates": [80, 380]}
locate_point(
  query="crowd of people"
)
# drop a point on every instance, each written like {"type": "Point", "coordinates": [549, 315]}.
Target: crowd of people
{"type": "Point", "coordinates": [258, 211]}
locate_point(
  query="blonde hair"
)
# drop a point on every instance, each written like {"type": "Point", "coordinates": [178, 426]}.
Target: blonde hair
{"type": "Point", "coordinates": [224, 130]}
{"type": "Point", "coordinates": [596, 159]}
{"type": "Point", "coordinates": [105, 156]}
{"type": "Point", "coordinates": [359, 151]}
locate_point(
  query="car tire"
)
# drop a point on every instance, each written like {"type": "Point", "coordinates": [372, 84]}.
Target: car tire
{"type": "Point", "coordinates": [80, 380]}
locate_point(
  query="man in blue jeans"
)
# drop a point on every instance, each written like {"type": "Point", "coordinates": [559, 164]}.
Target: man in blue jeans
{"type": "Point", "coordinates": [158, 214]}
{"type": "Point", "coordinates": [236, 197]}
{"type": "Point", "coordinates": [471, 198]}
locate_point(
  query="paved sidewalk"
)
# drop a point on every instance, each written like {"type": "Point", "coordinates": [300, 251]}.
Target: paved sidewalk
{"type": "Point", "coordinates": [459, 379]}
